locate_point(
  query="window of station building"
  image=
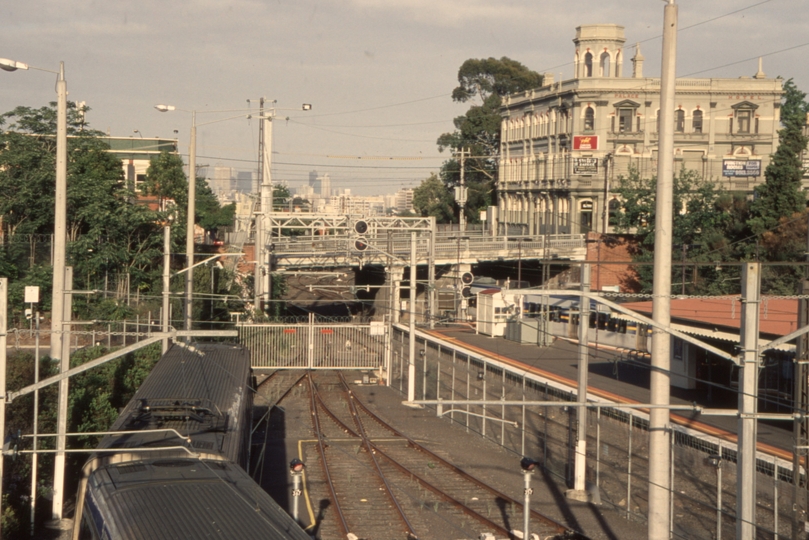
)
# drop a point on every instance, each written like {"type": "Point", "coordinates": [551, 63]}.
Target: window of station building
{"type": "Point", "coordinates": [614, 211]}
{"type": "Point", "coordinates": [743, 117]}
{"type": "Point", "coordinates": [589, 119]}
{"type": "Point", "coordinates": [605, 64]}
{"type": "Point", "coordinates": [588, 65]}
{"type": "Point", "coordinates": [696, 121]}
{"type": "Point", "coordinates": [625, 117]}
{"type": "Point", "coordinates": [679, 121]}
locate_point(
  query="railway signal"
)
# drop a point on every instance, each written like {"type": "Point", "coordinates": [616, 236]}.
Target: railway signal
{"type": "Point", "coordinates": [466, 281]}
{"type": "Point", "coordinates": [360, 227]}
{"type": "Point", "coordinates": [296, 468]}
{"type": "Point", "coordinates": [528, 466]}
{"type": "Point", "coordinates": [360, 244]}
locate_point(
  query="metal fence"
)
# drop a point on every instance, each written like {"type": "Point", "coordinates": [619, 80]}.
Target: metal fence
{"type": "Point", "coordinates": [704, 488]}
{"type": "Point", "coordinates": [315, 345]}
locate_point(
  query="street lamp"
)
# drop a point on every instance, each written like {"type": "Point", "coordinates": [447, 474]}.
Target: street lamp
{"type": "Point", "coordinates": [192, 193]}
{"type": "Point", "coordinates": [59, 248]}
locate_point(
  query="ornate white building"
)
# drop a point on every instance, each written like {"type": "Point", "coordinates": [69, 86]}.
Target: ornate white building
{"type": "Point", "coordinates": [564, 145]}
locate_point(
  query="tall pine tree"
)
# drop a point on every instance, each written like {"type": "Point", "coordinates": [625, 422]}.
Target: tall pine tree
{"type": "Point", "coordinates": [781, 194]}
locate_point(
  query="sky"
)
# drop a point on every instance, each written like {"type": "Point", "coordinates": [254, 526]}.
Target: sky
{"type": "Point", "coordinates": [378, 73]}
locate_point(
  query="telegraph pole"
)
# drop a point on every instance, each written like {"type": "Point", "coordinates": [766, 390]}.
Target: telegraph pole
{"type": "Point", "coordinates": [460, 195]}
{"type": "Point", "coordinates": [259, 221]}
{"type": "Point", "coordinates": [659, 417]}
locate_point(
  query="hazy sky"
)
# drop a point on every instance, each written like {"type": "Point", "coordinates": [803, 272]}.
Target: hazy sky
{"type": "Point", "coordinates": [378, 73]}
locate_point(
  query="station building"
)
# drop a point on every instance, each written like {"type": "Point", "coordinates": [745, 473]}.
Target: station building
{"type": "Point", "coordinates": [564, 145]}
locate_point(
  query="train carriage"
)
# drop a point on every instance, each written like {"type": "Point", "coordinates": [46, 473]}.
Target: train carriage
{"type": "Point", "coordinates": [176, 471]}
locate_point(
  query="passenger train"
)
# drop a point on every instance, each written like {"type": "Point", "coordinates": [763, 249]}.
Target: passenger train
{"type": "Point", "coordinates": [173, 467]}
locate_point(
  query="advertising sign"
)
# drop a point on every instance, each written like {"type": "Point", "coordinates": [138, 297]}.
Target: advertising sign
{"type": "Point", "coordinates": [586, 165]}
{"type": "Point", "coordinates": [585, 142]}
{"type": "Point", "coordinates": [738, 168]}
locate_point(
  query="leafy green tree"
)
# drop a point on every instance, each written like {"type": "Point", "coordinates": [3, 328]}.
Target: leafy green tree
{"type": "Point", "coordinates": [107, 233]}
{"type": "Point", "coordinates": [165, 178]}
{"type": "Point", "coordinates": [704, 220]}
{"type": "Point", "coordinates": [484, 82]}
{"type": "Point", "coordinates": [210, 214]}
{"type": "Point", "coordinates": [431, 198]}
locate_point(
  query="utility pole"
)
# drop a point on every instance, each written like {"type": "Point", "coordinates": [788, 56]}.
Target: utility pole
{"type": "Point", "coordinates": [411, 365]}
{"type": "Point", "coordinates": [659, 417]}
{"type": "Point", "coordinates": [579, 491]}
{"type": "Point", "coordinates": [800, 401]}
{"type": "Point", "coordinates": [189, 234]}
{"type": "Point", "coordinates": [3, 389]}
{"type": "Point", "coordinates": [267, 207]}
{"type": "Point", "coordinates": [259, 220]}
{"type": "Point", "coordinates": [166, 280]}
{"type": "Point", "coordinates": [460, 195]}
{"type": "Point", "coordinates": [748, 397]}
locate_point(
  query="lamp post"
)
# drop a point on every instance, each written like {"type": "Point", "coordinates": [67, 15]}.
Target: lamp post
{"type": "Point", "coordinates": [166, 279]}
{"type": "Point", "coordinates": [192, 194]}
{"type": "Point", "coordinates": [59, 257]}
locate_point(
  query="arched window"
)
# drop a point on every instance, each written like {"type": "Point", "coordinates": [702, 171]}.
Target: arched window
{"type": "Point", "coordinates": [679, 121]}
{"type": "Point", "coordinates": [588, 65]}
{"type": "Point", "coordinates": [696, 121]}
{"type": "Point", "coordinates": [589, 119]}
{"type": "Point", "coordinates": [605, 64]}
{"type": "Point", "coordinates": [614, 210]}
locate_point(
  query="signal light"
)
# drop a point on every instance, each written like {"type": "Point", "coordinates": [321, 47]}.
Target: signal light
{"type": "Point", "coordinates": [361, 227]}
{"type": "Point", "coordinates": [467, 278]}
{"type": "Point", "coordinates": [527, 464]}
{"type": "Point", "coordinates": [296, 466]}
{"type": "Point", "coordinates": [466, 292]}
{"type": "Point", "coordinates": [360, 244]}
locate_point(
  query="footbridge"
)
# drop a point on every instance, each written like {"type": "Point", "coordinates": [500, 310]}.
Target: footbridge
{"type": "Point", "coordinates": [312, 240]}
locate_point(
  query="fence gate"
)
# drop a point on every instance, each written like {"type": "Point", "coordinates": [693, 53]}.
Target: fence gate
{"type": "Point", "coordinates": [315, 345]}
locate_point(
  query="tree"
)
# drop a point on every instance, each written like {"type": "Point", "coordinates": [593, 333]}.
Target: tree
{"type": "Point", "coordinates": [484, 81]}
{"type": "Point", "coordinates": [431, 198]}
{"type": "Point", "coordinates": [704, 220]}
{"type": "Point", "coordinates": [777, 211]}
{"type": "Point", "coordinates": [210, 214]}
{"type": "Point", "coordinates": [781, 194]}
{"type": "Point", "coordinates": [106, 232]}
{"type": "Point", "coordinates": [165, 178]}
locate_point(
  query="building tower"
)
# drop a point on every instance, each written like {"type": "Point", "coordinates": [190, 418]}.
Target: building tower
{"type": "Point", "coordinates": [599, 51]}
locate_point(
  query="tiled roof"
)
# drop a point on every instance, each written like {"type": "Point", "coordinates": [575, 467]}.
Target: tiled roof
{"type": "Point", "coordinates": [778, 317]}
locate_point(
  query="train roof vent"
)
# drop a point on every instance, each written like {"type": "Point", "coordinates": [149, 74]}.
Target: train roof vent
{"type": "Point", "coordinates": [161, 411]}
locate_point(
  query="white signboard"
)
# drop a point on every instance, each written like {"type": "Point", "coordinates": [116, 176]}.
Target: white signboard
{"type": "Point", "coordinates": [32, 294]}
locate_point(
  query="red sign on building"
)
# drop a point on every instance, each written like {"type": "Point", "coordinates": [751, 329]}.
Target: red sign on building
{"type": "Point", "coordinates": [585, 142]}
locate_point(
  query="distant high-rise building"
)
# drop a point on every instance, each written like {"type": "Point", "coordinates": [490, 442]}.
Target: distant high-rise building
{"type": "Point", "coordinates": [320, 184]}
{"type": "Point", "coordinates": [221, 182]}
{"type": "Point", "coordinates": [244, 182]}
{"type": "Point", "coordinates": [404, 200]}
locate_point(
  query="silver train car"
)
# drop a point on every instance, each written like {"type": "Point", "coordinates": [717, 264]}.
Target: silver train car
{"type": "Point", "coordinates": [175, 469]}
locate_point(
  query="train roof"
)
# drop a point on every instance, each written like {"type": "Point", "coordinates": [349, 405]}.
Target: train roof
{"type": "Point", "coordinates": [185, 498]}
{"type": "Point", "coordinates": [200, 392]}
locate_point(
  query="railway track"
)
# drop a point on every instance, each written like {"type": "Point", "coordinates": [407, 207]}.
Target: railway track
{"type": "Point", "coordinates": [384, 485]}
